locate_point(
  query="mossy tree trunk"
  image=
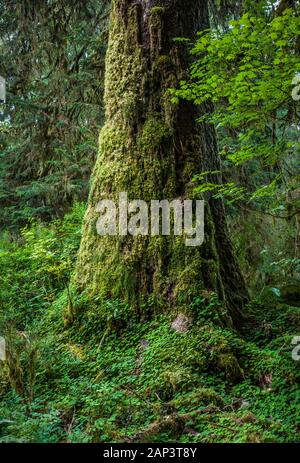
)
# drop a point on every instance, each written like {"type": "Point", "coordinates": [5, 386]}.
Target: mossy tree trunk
{"type": "Point", "coordinates": [151, 149]}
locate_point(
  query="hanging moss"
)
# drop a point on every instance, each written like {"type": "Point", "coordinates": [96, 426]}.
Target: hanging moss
{"type": "Point", "coordinates": [156, 28]}
{"type": "Point", "coordinates": [156, 11]}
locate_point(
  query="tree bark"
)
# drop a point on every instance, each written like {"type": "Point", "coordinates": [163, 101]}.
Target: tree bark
{"type": "Point", "coordinates": [151, 149]}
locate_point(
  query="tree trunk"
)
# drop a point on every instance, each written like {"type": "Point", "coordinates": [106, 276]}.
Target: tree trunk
{"type": "Point", "coordinates": [151, 149]}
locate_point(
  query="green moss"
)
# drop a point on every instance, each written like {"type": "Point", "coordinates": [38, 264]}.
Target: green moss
{"type": "Point", "coordinates": [199, 398]}
{"type": "Point", "coordinates": [124, 67]}
{"type": "Point", "coordinates": [109, 364]}
{"type": "Point", "coordinates": [155, 28]}
{"type": "Point", "coordinates": [156, 18]}
{"type": "Point", "coordinates": [162, 61]}
{"type": "Point", "coordinates": [4, 379]}
{"type": "Point", "coordinates": [154, 132]}
{"type": "Point", "coordinates": [229, 364]}
{"type": "Point", "coordinates": [157, 11]}
{"type": "Point", "coordinates": [139, 153]}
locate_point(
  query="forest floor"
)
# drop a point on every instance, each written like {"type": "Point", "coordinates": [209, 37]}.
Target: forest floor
{"type": "Point", "coordinates": [110, 378]}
